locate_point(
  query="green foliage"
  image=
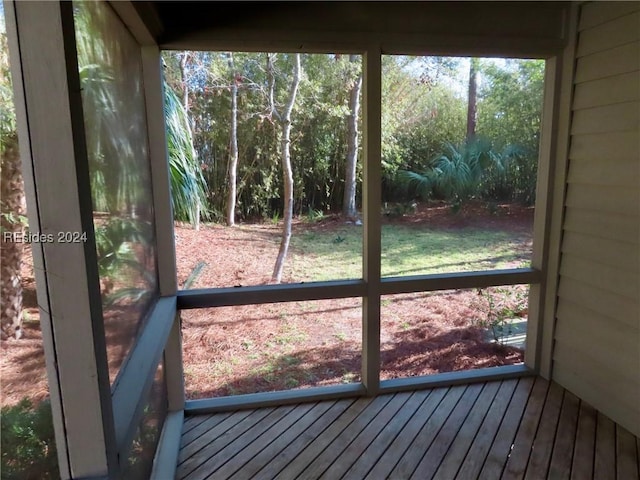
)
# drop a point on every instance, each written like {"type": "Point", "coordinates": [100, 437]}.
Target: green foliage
{"type": "Point", "coordinates": [7, 110]}
{"type": "Point", "coordinates": [423, 117]}
{"type": "Point", "coordinates": [314, 216]}
{"type": "Point", "coordinates": [117, 258]}
{"type": "Point", "coordinates": [421, 114]}
{"type": "Point", "coordinates": [28, 442]}
{"type": "Point", "coordinates": [12, 218]}
{"type": "Point", "coordinates": [472, 169]}
{"type": "Point", "coordinates": [188, 186]}
{"type": "Point", "coordinates": [457, 174]}
{"type": "Point", "coordinates": [329, 254]}
{"type": "Point", "coordinates": [510, 113]}
{"type": "Point", "coordinates": [503, 306]}
{"type": "Point", "coordinates": [400, 209]}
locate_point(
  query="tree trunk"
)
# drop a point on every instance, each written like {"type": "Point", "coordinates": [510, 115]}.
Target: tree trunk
{"type": "Point", "coordinates": [183, 78]}
{"type": "Point", "coordinates": [472, 104]}
{"type": "Point", "coordinates": [12, 190]}
{"type": "Point", "coordinates": [349, 201]}
{"type": "Point", "coordinates": [233, 147]}
{"type": "Point", "coordinates": [287, 172]}
{"type": "Point", "coordinates": [185, 105]}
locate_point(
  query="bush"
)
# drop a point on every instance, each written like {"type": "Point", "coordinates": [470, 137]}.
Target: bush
{"type": "Point", "coordinates": [27, 442]}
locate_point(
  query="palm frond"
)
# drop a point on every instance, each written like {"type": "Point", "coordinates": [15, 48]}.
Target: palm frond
{"type": "Point", "coordinates": [188, 187]}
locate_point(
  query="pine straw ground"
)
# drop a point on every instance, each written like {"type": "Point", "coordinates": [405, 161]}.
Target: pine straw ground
{"type": "Point", "coordinates": [231, 350]}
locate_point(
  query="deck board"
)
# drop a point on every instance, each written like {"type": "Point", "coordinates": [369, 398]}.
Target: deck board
{"type": "Point", "coordinates": [389, 433]}
{"type": "Point", "coordinates": [461, 443]}
{"type": "Point", "coordinates": [275, 466]}
{"type": "Point", "coordinates": [543, 444]}
{"type": "Point", "coordinates": [333, 451]}
{"type": "Point", "coordinates": [259, 444]}
{"type": "Point", "coordinates": [318, 444]}
{"type": "Point", "coordinates": [565, 438]}
{"type": "Point", "coordinates": [514, 428]}
{"type": "Point", "coordinates": [584, 448]}
{"type": "Point", "coordinates": [604, 465]}
{"type": "Point", "coordinates": [286, 437]}
{"type": "Point", "coordinates": [412, 457]}
{"type": "Point", "coordinates": [447, 434]}
{"type": "Point", "coordinates": [237, 451]}
{"type": "Point", "coordinates": [626, 455]}
{"type": "Point", "coordinates": [390, 458]}
{"type": "Point", "coordinates": [475, 458]}
{"type": "Point", "coordinates": [344, 460]}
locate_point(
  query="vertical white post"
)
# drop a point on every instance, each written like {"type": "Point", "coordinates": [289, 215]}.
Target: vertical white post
{"type": "Point", "coordinates": [52, 144]}
{"type": "Point", "coordinates": [372, 187]}
{"type": "Point", "coordinates": [558, 122]}
{"type": "Point", "coordinates": [544, 186]}
{"type": "Point", "coordinates": [154, 98]}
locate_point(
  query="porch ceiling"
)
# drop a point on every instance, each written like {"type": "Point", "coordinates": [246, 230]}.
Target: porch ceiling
{"type": "Point", "coordinates": [175, 24]}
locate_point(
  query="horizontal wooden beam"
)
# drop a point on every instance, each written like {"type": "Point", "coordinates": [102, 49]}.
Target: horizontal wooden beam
{"type": "Point", "coordinates": [449, 281]}
{"type": "Point", "coordinates": [269, 399]}
{"type": "Point", "coordinates": [166, 457]}
{"type": "Point", "coordinates": [230, 296]}
{"type": "Point", "coordinates": [136, 376]}
{"type": "Point", "coordinates": [219, 297]}
{"type": "Point", "coordinates": [465, 377]}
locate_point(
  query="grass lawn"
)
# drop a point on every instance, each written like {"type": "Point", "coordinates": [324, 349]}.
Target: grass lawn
{"type": "Point", "coordinates": [319, 255]}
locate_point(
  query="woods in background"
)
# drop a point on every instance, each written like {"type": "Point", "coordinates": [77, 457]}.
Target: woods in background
{"type": "Point", "coordinates": [231, 99]}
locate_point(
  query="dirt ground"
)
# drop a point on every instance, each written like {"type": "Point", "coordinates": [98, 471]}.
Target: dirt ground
{"type": "Point", "coordinates": [269, 347]}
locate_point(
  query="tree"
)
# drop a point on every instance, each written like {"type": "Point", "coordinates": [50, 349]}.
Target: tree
{"type": "Point", "coordinates": [349, 202]}
{"type": "Point", "coordinates": [12, 201]}
{"type": "Point", "coordinates": [285, 144]}
{"type": "Point", "coordinates": [472, 99]}
{"type": "Point", "coordinates": [509, 112]}
{"type": "Point", "coordinates": [233, 145]}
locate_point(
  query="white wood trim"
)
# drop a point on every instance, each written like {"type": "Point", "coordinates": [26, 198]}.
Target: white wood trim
{"type": "Point", "coordinates": [136, 374]}
{"type": "Point", "coordinates": [165, 238]}
{"type": "Point", "coordinates": [42, 292]}
{"type": "Point", "coordinates": [371, 199]}
{"type": "Point", "coordinates": [130, 17]}
{"type": "Point", "coordinates": [542, 212]}
{"type": "Point", "coordinates": [557, 191]}
{"type": "Point", "coordinates": [268, 399]}
{"type": "Point", "coordinates": [71, 286]}
{"type": "Point", "coordinates": [166, 457]}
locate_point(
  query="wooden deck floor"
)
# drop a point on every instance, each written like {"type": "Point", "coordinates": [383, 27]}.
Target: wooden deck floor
{"type": "Point", "coordinates": [519, 428]}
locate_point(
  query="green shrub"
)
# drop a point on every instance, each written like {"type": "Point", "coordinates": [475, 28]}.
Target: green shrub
{"type": "Point", "coordinates": [27, 442]}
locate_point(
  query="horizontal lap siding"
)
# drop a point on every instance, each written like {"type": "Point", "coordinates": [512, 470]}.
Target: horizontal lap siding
{"type": "Point", "coordinates": [597, 336]}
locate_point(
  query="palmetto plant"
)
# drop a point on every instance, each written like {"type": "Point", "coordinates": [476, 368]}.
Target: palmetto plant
{"type": "Point", "coordinates": [460, 173]}
{"type": "Point", "coordinates": [118, 178]}
{"type": "Point", "coordinates": [188, 187]}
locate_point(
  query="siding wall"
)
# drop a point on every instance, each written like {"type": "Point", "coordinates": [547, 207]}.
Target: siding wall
{"type": "Point", "coordinates": [597, 335]}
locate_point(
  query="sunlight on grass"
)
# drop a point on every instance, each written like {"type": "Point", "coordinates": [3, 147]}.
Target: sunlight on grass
{"type": "Point", "coordinates": [318, 256]}
{"type": "Point", "coordinates": [407, 251]}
